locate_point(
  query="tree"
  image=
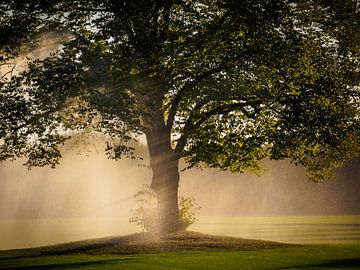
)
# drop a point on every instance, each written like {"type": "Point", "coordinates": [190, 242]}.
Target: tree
{"type": "Point", "coordinates": [220, 83]}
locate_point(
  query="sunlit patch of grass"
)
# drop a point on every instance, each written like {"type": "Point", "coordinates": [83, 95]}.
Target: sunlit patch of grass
{"type": "Point", "coordinates": [299, 257]}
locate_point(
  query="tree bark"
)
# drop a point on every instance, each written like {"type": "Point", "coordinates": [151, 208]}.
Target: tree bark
{"type": "Point", "coordinates": [165, 181]}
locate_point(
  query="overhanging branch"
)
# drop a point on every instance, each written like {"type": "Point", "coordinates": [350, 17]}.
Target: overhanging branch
{"type": "Point", "coordinates": [186, 88]}
{"type": "Point", "coordinates": [224, 109]}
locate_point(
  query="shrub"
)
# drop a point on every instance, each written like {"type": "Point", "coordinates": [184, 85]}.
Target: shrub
{"type": "Point", "coordinates": [145, 214]}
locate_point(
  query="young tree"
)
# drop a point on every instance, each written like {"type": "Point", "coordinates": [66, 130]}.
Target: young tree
{"type": "Point", "coordinates": [220, 83]}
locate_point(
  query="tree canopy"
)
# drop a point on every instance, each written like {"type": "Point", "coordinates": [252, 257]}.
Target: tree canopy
{"type": "Point", "coordinates": [231, 81]}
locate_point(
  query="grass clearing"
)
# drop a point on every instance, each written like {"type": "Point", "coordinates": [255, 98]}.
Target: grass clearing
{"type": "Point", "coordinates": [182, 251]}
{"type": "Point", "coordinates": [300, 257]}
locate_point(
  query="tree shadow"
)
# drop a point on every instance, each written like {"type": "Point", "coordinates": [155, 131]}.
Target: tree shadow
{"type": "Point", "coordinates": [338, 263]}
{"type": "Point", "coordinates": [72, 265]}
{"type": "Point", "coordinates": [85, 246]}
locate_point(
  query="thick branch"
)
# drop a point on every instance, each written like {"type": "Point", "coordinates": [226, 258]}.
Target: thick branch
{"type": "Point", "coordinates": [186, 88]}
{"type": "Point", "coordinates": [199, 78]}
{"type": "Point", "coordinates": [224, 109]}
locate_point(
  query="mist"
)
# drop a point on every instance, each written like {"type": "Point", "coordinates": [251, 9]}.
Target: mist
{"type": "Point", "coordinates": [91, 185]}
{"type": "Point", "coordinates": [282, 189]}
{"type": "Point", "coordinates": [83, 185]}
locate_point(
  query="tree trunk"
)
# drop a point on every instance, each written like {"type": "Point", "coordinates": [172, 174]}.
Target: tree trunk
{"type": "Point", "coordinates": [165, 181]}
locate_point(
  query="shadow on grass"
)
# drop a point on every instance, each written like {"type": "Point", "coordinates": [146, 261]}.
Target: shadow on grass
{"type": "Point", "coordinates": [99, 264]}
{"type": "Point", "coordinates": [339, 263]}
{"type": "Point", "coordinates": [65, 249]}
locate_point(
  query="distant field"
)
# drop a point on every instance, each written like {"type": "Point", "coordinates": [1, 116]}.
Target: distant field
{"type": "Point", "coordinates": [24, 233]}
{"type": "Point", "coordinates": [297, 229]}
{"type": "Point", "coordinates": [305, 230]}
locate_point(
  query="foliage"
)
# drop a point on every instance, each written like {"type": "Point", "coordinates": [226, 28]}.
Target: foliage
{"type": "Point", "coordinates": [232, 81]}
{"type": "Point", "coordinates": [145, 214]}
{"type": "Point", "coordinates": [188, 210]}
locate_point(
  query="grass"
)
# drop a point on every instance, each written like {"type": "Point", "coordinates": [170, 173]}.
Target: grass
{"type": "Point", "coordinates": [296, 229]}
{"type": "Point", "coordinates": [182, 251]}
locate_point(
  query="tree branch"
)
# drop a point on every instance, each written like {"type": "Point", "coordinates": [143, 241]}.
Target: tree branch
{"type": "Point", "coordinates": [9, 72]}
{"type": "Point", "coordinates": [224, 109]}
{"type": "Point", "coordinates": [187, 87]}
{"type": "Point", "coordinates": [202, 76]}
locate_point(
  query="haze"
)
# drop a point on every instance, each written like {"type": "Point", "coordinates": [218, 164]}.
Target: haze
{"type": "Point", "coordinates": [92, 186]}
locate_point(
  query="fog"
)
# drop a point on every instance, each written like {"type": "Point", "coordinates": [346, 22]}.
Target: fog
{"type": "Point", "coordinates": [83, 185]}
{"type": "Point", "coordinates": [48, 43]}
{"type": "Point", "coordinates": [281, 190]}
{"type": "Point", "coordinates": [92, 186]}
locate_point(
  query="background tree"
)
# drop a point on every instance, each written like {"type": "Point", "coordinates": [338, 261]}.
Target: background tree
{"type": "Point", "coordinates": [220, 83]}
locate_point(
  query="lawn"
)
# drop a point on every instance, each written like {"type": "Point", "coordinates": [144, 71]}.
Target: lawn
{"type": "Point", "coordinates": [211, 253]}
{"type": "Point", "coordinates": [302, 257]}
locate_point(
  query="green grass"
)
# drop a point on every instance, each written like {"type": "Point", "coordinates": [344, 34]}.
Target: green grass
{"type": "Point", "coordinates": [300, 257]}
{"type": "Point", "coordinates": [188, 250]}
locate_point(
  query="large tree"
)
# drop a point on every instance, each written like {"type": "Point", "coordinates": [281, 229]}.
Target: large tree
{"type": "Point", "coordinates": [220, 83]}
